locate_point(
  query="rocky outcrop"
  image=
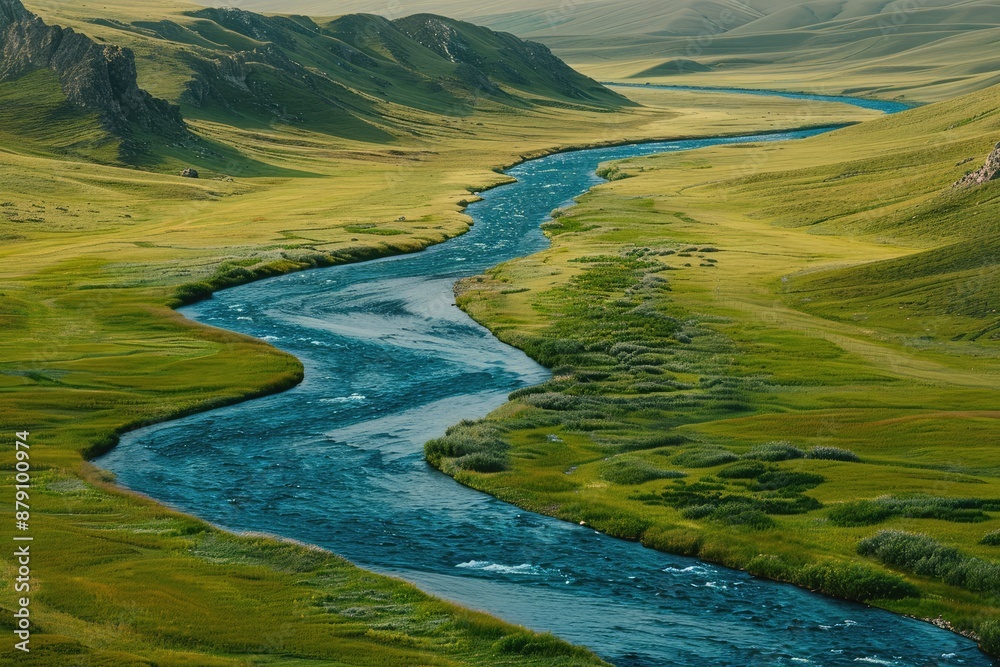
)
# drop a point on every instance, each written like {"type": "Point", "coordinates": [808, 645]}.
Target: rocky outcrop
{"type": "Point", "coordinates": [988, 172]}
{"type": "Point", "coordinates": [100, 79]}
{"type": "Point", "coordinates": [488, 59]}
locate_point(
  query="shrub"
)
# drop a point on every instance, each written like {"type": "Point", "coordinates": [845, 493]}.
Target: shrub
{"type": "Point", "coordinates": [774, 451]}
{"type": "Point", "coordinates": [870, 512]}
{"type": "Point", "coordinates": [477, 446]}
{"type": "Point", "coordinates": [832, 454]}
{"type": "Point", "coordinates": [788, 481]}
{"type": "Point", "coordinates": [634, 471]}
{"type": "Point", "coordinates": [991, 539]}
{"type": "Point", "coordinates": [989, 637]}
{"type": "Point", "coordinates": [927, 557]}
{"type": "Point", "coordinates": [743, 514]}
{"type": "Point", "coordinates": [192, 292]}
{"type": "Point", "coordinates": [743, 470]}
{"type": "Point", "coordinates": [624, 526]}
{"type": "Point", "coordinates": [612, 173]}
{"type": "Point", "coordinates": [795, 504]}
{"type": "Point", "coordinates": [525, 643]}
{"type": "Point", "coordinates": [705, 458]}
{"type": "Point", "coordinates": [482, 462]}
{"type": "Point", "coordinates": [698, 511]}
{"type": "Point", "coordinates": [664, 440]}
{"type": "Point", "coordinates": [859, 513]}
{"type": "Point", "coordinates": [552, 401]}
{"type": "Point", "coordinates": [854, 581]}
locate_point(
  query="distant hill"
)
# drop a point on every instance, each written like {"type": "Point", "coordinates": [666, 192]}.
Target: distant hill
{"type": "Point", "coordinates": [940, 48]}
{"type": "Point", "coordinates": [63, 91]}
{"type": "Point", "coordinates": [361, 77]}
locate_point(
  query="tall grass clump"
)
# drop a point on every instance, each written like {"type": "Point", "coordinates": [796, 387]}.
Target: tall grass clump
{"type": "Point", "coordinates": [925, 556]}
{"type": "Point", "coordinates": [871, 512]}
{"type": "Point", "coordinates": [743, 470]}
{"type": "Point", "coordinates": [705, 458]}
{"type": "Point", "coordinates": [470, 445]}
{"type": "Point", "coordinates": [634, 471]}
{"type": "Point", "coordinates": [991, 539]}
{"type": "Point", "coordinates": [989, 637]}
{"type": "Point", "coordinates": [774, 451]}
{"type": "Point", "coordinates": [832, 454]}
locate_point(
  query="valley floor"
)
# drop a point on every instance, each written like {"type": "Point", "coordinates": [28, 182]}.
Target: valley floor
{"type": "Point", "coordinates": [96, 256]}
{"type": "Point", "coordinates": [781, 358]}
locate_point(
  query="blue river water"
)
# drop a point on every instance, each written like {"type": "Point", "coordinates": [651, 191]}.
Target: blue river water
{"type": "Point", "coordinates": [390, 363]}
{"type": "Point", "coordinates": [886, 106]}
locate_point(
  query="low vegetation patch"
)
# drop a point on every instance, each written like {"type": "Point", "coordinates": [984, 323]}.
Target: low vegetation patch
{"type": "Point", "coordinates": [634, 471]}
{"type": "Point", "coordinates": [925, 556]}
{"type": "Point", "coordinates": [774, 451]}
{"type": "Point", "coordinates": [705, 458]}
{"type": "Point", "coordinates": [832, 454]}
{"type": "Point", "coordinates": [871, 512]}
{"type": "Point", "coordinates": [470, 445]}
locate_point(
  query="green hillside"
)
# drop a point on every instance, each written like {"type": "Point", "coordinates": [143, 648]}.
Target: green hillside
{"type": "Point", "coordinates": [920, 50]}
{"type": "Point", "coordinates": [360, 77]}
{"type": "Point", "coordinates": [782, 358]}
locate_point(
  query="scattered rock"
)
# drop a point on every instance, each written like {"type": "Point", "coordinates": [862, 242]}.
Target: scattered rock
{"type": "Point", "coordinates": [988, 172]}
{"type": "Point", "coordinates": [401, 218]}
{"type": "Point", "coordinates": [188, 172]}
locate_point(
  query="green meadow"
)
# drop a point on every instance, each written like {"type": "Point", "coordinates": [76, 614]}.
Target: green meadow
{"type": "Point", "coordinates": [100, 245]}
{"type": "Point", "coordinates": [778, 357]}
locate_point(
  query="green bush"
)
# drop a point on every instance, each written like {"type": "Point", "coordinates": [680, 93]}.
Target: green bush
{"type": "Point", "coordinates": [774, 451]}
{"type": "Point", "coordinates": [787, 481]}
{"type": "Point", "coordinates": [991, 539]}
{"type": "Point", "coordinates": [832, 454]}
{"type": "Point", "coordinates": [989, 637]}
{"type": "Point", "coordinates": [859, 513]}
{"type": "Point", "coordinates": [524, 643]}
{"type": "Point", "coordinates": [192, 292]}
{"type": "Point", "coordinates": [743, 470]}
{"type": "Point", "coordinates": [482, 462]}
{"type": "Point", "coordinates": [634, 471]}
{"type": "Point", "coordinates": [851, 581]}
{"type": "Point", "coordinates": [927, 557]}
{"type": "Point", "coordinates": [870, 512]}
{"type": "Point", "coordinates": [854, 581]}
{"type": "Point", "coordinates": [743, 514]}
{"type": "Point", "coordinates": [612, 173]}
{"type": "Point", "coordinates": [705, 499]}
{"type": "Point", "coordinates": [698, 511]}
{"type": "Point", "coordinates": [477, 446]}
{"type": "Point", "coordinates": [705, 458]}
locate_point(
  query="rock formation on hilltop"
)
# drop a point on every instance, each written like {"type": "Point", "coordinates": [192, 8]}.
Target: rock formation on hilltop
{"type": "Point", "coordinates": [988, 172]}
{"type": "Point", "coordinates": [99, 79]}
{"type": "Point", "coordinates": [506, 60]}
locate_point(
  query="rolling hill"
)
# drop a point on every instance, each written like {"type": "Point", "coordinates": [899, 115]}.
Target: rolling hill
{"type": "Point", "coordinates": [357, 76]}
{"type": "Point", "coordinates": [926, 51]}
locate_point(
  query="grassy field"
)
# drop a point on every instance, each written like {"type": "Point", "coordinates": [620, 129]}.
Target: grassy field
{"type": "Point", "coordinates": [779, 357]}
{"type": "Point", "coordinates": [96, 255]}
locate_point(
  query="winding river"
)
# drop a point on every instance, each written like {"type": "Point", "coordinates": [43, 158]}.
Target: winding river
{"type": "Point", "coordinates": [390, 363]}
